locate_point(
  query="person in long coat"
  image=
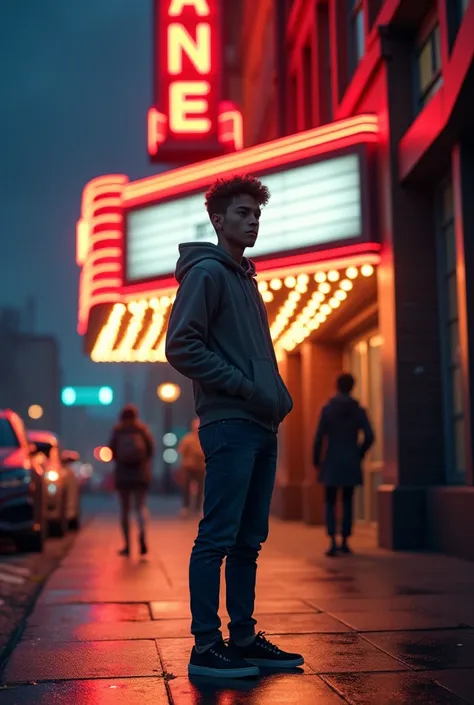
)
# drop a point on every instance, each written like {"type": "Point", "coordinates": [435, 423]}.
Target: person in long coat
{"type": "Point", "coordinates": [338, 453]}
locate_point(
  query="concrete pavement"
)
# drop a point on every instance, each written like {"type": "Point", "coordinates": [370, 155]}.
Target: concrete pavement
{"type": "Point", "coordinates": [21, 578]}
{"type": "Point", "coordinates": [374, 627]}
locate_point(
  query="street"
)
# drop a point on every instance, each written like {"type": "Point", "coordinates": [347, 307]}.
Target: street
{"type": "Point", "coordinates": [21, 578]}
{"type": "Point", "coordinates": [374, 627]}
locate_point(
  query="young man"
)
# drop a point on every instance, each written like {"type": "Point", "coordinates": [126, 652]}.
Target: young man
{"type": "Point", "coordinates": [218, 336]}
{"type": "Point", "coordinates": [341, 422]}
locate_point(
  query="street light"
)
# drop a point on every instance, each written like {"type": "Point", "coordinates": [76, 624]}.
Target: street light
{"type": "Point", "coordinates": [168, 392]}
{"type": "Point", "coordinates": [35, 411]}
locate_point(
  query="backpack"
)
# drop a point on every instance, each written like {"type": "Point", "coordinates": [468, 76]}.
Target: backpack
{"type": "Point", "coordinates": [131, 448]}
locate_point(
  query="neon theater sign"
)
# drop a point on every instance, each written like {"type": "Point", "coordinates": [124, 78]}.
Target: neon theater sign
{"type": "Point", "coordinates": [189, 121]}
{"type": "Point", "coordinates": [309, 262]}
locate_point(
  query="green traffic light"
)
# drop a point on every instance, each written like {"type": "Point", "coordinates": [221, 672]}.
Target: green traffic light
{"type": "Point", "coordinates": [68, 396]}
{"type": "Point", "coordinates": [106, 396]}
{"type": "Point", "coordinates": [87, 396]}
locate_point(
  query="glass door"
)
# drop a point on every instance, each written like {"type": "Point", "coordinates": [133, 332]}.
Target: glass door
{"type": "Point", "coordinates": [364, 361]}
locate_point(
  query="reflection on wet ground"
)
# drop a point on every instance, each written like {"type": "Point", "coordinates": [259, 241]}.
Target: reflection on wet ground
{"type": "Point", "coordinates": [374, 628]}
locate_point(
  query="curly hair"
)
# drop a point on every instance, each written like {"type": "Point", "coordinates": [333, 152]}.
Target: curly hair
{"type": "Point", "coordinates": [222, 192]}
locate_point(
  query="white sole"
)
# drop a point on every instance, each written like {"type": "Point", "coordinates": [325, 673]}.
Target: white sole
{"type": "Point", "coordinates": [264, 663]}
{"type": "Point", "coordinates": [251, 671]}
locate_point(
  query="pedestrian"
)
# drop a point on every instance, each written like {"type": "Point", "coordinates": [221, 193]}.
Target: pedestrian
{"type": "Point", "coordinates": [341, 422]}
{"type": "Point", "coordinates": [218, 336]}
{"type": "Point", "coordinates": [132, 449]}
{"type": "Point", "coordinates": [192, 469]}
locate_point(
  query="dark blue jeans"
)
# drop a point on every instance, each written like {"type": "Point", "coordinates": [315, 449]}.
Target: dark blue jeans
{"type": "Point", "coordinates": [347, 502]}
{"type": "Point", "coordinates": [240, 475]}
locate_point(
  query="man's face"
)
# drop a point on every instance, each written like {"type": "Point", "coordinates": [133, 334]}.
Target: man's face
{"type": "Point", "coordinates": [239, 226]}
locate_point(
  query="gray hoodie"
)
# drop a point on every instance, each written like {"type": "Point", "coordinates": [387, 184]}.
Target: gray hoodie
{"type": "Point", "coordinates": [218, 336]}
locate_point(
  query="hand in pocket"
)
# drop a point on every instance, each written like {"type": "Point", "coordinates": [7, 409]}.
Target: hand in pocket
{"type": "Point", "coordinates": [265, 396]}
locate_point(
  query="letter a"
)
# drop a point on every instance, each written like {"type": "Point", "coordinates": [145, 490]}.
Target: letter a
{"type": "Point", "coordinates": [177, 6]}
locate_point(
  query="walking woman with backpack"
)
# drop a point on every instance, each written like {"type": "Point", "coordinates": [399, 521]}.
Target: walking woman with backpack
{"type": "Point", "coordinates": [132, 448]}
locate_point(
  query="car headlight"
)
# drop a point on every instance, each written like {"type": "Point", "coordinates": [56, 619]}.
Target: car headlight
{"type": "Point", "coordinates": [52, 475]}
{"type": "Point", "coordinates": [15, 477]}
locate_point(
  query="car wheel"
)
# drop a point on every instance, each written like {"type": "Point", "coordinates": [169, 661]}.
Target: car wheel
{"type": "Point", "coordinates": [31, 543]}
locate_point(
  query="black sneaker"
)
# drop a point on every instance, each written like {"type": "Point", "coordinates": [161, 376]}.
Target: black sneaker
{"type": "Point", "coordinates": [124, 552]}
{"type": "Point", "coordinates": [345, 548]}
{"type": "Point", "coordinates": [261, 652]}
{"type": "Point", "coordinates": [220, 661]}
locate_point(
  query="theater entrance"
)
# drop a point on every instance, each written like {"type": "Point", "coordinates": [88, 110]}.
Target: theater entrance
{"type": "Point", "coordinates": [362, 357]}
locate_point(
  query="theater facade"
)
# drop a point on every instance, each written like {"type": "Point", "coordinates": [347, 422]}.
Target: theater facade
{"type": "Point", "coordinates": [364, 258]}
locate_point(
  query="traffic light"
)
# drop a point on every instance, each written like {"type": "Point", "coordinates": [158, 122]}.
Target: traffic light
{"type": "Point", "coordinates": [87, 396]}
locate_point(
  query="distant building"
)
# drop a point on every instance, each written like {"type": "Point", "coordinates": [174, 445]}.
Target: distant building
{"type": "Point", "coordinates": [30, 373]}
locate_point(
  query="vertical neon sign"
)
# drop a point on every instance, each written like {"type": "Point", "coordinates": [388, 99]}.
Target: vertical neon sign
{"type": "Point", "coordinates": [189, 121]}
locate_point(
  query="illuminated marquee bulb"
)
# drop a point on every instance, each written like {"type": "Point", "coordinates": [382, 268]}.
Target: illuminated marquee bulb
{"type": "Point", "coordinates": [341, 295]}
{"type": "Point", "coordinates": [267, 296]}
{"type": "Point", "coordinates": [320, 277]}
{"type": "Point", "coordinates": [294, 296]}
{"type": "Point", "coordinates": [301, 288]}
{"type": "Point", "coordinates": [324, 288]}
{"type": "Point", "coordinates": [334, 303]}
{"type": "Point", "coordinates": [317, 296]}
{"type": "Point", "coordinates": [165, 301]}
{"type": "Point", "coordinates": [367, 270]}
{"type": "Point", "coordinates": [262, 286]}
{"type": "Point", "coordinates": [333, 275]}
{"type": "Point", "coordinates": [346, 285]}
{"type": "Point", "coordinates": [352, 272]}
{"type": "Point", "coordinates": [290, 282]}
{"type": "Point", "coordinates": [276, 284]}
{"type": "Point", "coordinates": [302, 279]}
{"type": "Point", "coordinates": [326, 309]}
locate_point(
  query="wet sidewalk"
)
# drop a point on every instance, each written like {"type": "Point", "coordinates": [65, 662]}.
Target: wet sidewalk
{"type": "Point", "coordinates": [374, 628]}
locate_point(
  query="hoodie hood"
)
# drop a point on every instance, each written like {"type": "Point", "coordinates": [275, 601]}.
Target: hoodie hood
{"type": "Point", "coordinates": [191, 254]}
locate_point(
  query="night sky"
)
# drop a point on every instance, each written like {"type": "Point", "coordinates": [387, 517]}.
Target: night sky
{"type": "Point", "coordinates": [76, 78]}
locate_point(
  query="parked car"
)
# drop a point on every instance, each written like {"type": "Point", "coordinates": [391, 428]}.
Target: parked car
{"type": "Point", "coordinates": [22, 490]}
{"type": "Point", "coordinates": [63, 505]}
